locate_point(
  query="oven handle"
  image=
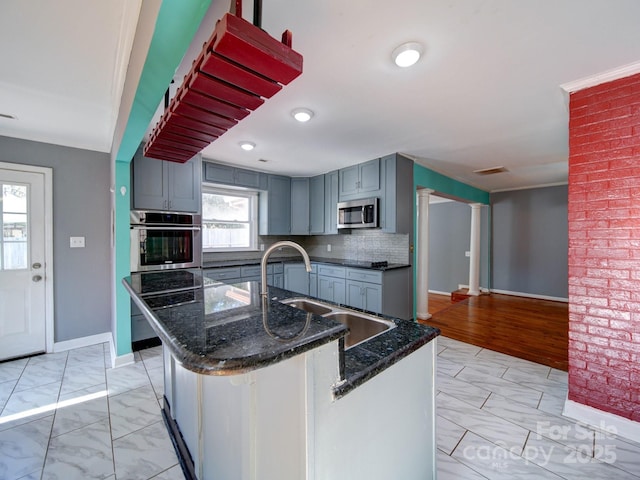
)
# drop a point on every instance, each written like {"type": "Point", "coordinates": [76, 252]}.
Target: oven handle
{"type": "Point", "coordinates": [171, 228]}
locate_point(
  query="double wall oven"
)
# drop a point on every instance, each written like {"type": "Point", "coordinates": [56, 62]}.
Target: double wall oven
{"type": "Point", "coordinates": [166, 247]}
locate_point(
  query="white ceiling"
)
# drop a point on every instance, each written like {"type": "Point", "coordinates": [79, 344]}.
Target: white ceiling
{"type": "Point", "coordinates": [486, 93]}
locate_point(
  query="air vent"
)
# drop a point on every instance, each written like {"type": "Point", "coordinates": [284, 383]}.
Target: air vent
{"type": "Point", "coordinates": [490, 171]}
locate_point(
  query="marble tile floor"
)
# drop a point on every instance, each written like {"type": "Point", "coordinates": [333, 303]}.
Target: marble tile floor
{"type": "Point", "coordinates": [500, 417]}
{"type": "Point", "coordinates": [69, 416]}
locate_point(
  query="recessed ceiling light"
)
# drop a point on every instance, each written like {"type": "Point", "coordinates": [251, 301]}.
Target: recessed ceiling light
{"type": "Point", "coordinates": [302, 114]}
{"type": "Point", "coordinates": [407, 54]}
{"type": "Point", "coordinates": [248, 146]}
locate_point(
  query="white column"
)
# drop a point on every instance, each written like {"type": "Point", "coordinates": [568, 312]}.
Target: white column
{"type": "Point", "coordinates": [422, 287]}
{"type": "Point", "coordinates": [474, 261]}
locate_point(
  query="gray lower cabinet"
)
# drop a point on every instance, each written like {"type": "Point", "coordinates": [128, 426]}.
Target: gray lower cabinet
{"type": "Point", "coordinates": [163, 185]}
{"type": "Point", "coordinates": [140, 327]}
{"type": "Point", "coordinates": [275, 206]}
{"type": "Point", "coordinates": [364, 289]}
{"type": "Point", "coordinates": [387, 292]}
{"type": "Point", "coordinates": [296, 278]}
{"type": "Point", "coordinates": [247, 273]}
{"type": "Point", "coordinates": [331, 283]}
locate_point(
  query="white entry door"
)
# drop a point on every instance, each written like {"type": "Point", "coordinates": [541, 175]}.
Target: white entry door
{"type": "Point", "coordinates": [23, 272]}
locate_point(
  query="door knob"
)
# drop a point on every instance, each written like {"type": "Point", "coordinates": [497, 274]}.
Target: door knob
{"type": "Point", "coordinates": [37, 278]}
{"type": "Point", "coordinates": [36, 266]}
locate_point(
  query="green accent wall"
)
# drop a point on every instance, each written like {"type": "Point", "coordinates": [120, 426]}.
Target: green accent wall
{"type": "Point", "coordinates": [448, 187]}
{"type": "Point", "coordinates": [176, 25]}
{"type": "Point", "coordinates": [425, 177]}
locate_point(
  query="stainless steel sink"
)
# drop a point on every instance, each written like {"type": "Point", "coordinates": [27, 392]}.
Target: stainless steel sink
{"type": "Point", "coordinates": [361, 326]}
{"type": "Point", "coordinates": [308, 306]}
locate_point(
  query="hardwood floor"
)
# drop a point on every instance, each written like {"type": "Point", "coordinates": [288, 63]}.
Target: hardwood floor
{"type": "Point", "coordinates": [532, 329]}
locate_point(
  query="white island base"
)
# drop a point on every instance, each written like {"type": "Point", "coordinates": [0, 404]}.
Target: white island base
{"type": "Point", "coordinates": [282, 421]}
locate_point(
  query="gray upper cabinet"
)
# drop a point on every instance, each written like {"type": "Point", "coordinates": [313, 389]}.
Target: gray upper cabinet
{"type": "Point", "coordinates": [163, 185]}
{"type": "Point", "coordinates": [316, 205]}
{"type": "Point", "coordinates": [331, 203]}
{"type": "Point", "coordinates": [275, 206]}
{"type": "Point", "coordinates": [396, 202]}
{"type": "Point", "coordinates": [299, 206]}
{"type": "Point", "coordinates": [216, 173]}
{"type": "Point", "coordinates": [359, 181]}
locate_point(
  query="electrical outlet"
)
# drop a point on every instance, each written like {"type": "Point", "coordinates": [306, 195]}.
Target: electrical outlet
{"type": "Point", "coordinates": [467, 253]}
{"type": "Point", "coordinates": [262, 247]}
{"type": "Point", "coordinates": [328, 247]}
{"type": "Point", "coordinates": [76, 242]}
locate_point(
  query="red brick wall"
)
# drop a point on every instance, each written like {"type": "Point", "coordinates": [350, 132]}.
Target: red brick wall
{"type": "Point", "coordinates": [604, 247]}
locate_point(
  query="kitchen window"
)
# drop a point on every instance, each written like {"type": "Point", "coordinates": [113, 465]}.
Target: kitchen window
{"type": "Point", "coordinates": [229, 219]}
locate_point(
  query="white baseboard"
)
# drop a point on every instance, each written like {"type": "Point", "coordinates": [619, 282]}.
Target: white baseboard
{"type": "Point", "coordinates": [531, 295]}
{"type": "Point", "coordinates": [438, 292]}
{"type": "Point", "coordinates": [81, 342]}
{"type": "Point", "coordinates": [607, 422]}
{"type": "Point", "coordinates": [122, 360]}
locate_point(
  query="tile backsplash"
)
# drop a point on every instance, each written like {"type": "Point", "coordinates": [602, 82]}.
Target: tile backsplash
{"type": "Point", "coordinates": [359, 245]}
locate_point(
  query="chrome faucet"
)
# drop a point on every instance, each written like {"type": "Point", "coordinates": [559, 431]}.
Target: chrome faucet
{"type": "Point", "coordinates": [263, 264]}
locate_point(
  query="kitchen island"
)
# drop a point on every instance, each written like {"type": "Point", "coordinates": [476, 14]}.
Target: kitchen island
{"type": "Point", "coordinates": [256, 388]}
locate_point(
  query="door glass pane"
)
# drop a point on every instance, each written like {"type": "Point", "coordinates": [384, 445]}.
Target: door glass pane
{"type": "Point", "coordinates": [14, 244]}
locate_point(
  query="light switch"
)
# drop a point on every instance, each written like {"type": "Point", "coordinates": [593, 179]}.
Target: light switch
{"type": "Point", "coordinates": [76, 242]}
{"type": "Point", "coordinates": [467, 253]}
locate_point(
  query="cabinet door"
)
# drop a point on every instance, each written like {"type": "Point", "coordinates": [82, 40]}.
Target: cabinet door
{"type": "Point", "coordinates": [218, 173]}
{"type": "Point", "coordinates": [349, 178]}
{"type": "Point", "coordinates": [369, 176]}
{"type": "Point", "coordinates": [316, 205]}
{"type": "Point", "coordinates": [296, 278]}
{"type": "Point", "coordinates": [331, 203]}
{"type": "Point", "coordinates": [372, 295]}
{"type": "Point", "coordinates": [150, 183]}
{"type": "Point", "coordinates": [313, 284]}
{"type": "Point", "coordinates": [185, 182]}
{"type": "Point", "coordinates": [299, 206]}
{"type": "Point", "coordinates": [279, 205]}
{"type": "Point", "coordinates": [354, 294]}
{"type": "Point", "coordinates": [325, 288]}
{"type": "Point", "coordinates": [339, 291]}
{"type": "Point", "coordinates": [247, 178]}
{"type": "Point", "coordinates": [278, 280]}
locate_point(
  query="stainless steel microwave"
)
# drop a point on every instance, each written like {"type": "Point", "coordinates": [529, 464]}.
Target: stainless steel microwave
{"type": "Point", "coordinates": [358, 213]}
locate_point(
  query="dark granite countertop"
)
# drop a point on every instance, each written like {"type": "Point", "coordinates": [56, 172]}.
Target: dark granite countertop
{"type": "Point", "coordinates": [224, 329]}
{"type": "Point", "coordinates": [328, 261]}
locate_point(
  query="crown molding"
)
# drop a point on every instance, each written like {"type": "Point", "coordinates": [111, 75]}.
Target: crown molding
{"type": "Point", "coordinates": [603, 77]}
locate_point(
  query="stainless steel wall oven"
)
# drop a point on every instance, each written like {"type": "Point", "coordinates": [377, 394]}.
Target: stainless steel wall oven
{"type": "Point", "coordinates": [165, 240]}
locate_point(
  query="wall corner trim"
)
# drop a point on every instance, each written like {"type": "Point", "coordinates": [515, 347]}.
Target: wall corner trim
{"type": "Point", "coordinates": [602, 77]}
{"type": "Point", "coordinates": [608, 422]}
{"type": "Point", "coordinates": [120, 360]}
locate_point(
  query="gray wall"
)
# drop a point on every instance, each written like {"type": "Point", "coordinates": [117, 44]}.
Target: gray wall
{"type": "Point", "coordinates": [530, 241]}
{"type": "Point", "coordinates": [81, 207]}
{"type": "Point", "coordinates": [449, 239]}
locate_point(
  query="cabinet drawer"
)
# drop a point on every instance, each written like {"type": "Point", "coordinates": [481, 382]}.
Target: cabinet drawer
{"type": "Point", "coordinates": [223, 273]}
{"type": "Point", "coordinates": [362, 275]}
{"type": "Point", "coordinates": [329, 271]}
{"type": "Point", "coordinates": [250, 270]}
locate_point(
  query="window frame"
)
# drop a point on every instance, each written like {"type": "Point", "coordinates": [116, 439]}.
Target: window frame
{"type": "Point", "coordinates": [253, 196]}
